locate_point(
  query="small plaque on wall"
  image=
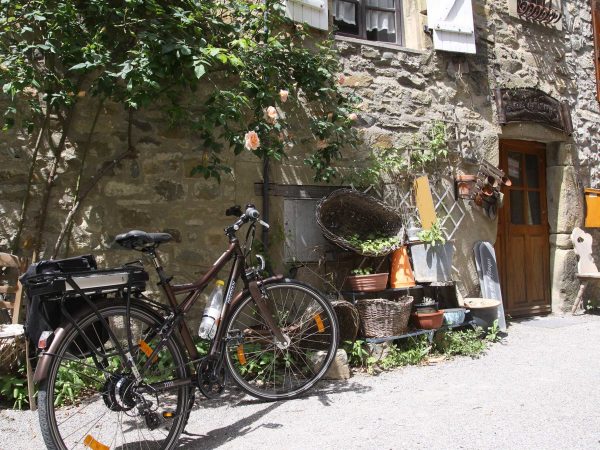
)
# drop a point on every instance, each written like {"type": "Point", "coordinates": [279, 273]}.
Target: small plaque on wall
{"type": "Point", "coordinates": [532, 105]}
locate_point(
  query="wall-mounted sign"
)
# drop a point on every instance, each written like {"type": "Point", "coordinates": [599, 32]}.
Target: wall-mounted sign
{"type": "Point", "coordinates": [532, 105]}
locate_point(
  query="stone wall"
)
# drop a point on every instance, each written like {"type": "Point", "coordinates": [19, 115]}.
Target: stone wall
{"type": "Point", "coordinates": [405, 89]}
{"type": "Point", "coordinates": [402, 90]}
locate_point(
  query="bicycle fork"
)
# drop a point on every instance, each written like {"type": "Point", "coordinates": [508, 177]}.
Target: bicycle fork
{"type": "Point", "coordinates": [259, 296]}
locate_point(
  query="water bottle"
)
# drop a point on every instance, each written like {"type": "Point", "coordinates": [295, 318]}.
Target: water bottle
{"type": "Point", "coordinates": [212, 312]}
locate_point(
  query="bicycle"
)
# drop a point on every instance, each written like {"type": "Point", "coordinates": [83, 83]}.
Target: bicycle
{"type": "Point", "coordinates": [131, 363]}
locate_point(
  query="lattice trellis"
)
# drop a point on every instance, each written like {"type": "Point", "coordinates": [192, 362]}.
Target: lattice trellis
{"type": "Point", "coordinates": [450, 211]}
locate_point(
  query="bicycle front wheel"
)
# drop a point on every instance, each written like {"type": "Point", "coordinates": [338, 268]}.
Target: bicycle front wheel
{"type": "Point", "coordinates": [264, 367]}
{"type": "Point", "coordinates": [90, 398]}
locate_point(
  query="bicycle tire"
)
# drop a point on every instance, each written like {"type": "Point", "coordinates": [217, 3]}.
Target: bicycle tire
{"type": "Point", "coordinates": [263, 369]}
{"type": "Point", "coordinates": [115, 423]}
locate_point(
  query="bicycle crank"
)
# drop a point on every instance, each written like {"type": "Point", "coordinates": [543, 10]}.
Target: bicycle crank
{"type": "Point", "coordinates": [210, 383]}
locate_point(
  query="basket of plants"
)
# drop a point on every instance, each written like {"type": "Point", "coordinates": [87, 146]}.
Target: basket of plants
{"type": "Point", "coordinates": [380, 317]}
{"type": "Point", "coordinates": [359, 222]}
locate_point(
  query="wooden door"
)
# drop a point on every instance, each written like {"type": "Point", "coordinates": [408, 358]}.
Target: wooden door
{"type": "Point", "coordinates": [522, 245]}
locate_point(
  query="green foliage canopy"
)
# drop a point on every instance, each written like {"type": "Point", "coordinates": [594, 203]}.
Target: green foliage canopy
{"type": "Point", "coordinates": [239, 54]}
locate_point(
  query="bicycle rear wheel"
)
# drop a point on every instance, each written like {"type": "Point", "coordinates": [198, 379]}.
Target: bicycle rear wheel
{"type": "Point", "coordinates": [90, 399]}
{"type": "Point", "coordinates": [265, 368]}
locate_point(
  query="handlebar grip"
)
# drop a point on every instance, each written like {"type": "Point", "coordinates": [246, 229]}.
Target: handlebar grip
{"type": "Point", "coordinates": [252, 213]}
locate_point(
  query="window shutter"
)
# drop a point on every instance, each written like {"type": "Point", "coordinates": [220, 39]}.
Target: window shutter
{"type": "Point", "coordinates": [451, 22]}
{"type": "Point", "coordinates": [313, 12]}
{"type": "Point", "coordinates": [596, 27]}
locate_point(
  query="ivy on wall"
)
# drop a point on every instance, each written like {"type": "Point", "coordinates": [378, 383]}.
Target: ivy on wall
{"type": "Point", "coordinates": [250, 63]}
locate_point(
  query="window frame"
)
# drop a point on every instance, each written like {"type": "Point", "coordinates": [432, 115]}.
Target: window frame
{"type": "Point", "coordinates": [595, 10]}
{"type": "Point", "coordinates": [362, 21]}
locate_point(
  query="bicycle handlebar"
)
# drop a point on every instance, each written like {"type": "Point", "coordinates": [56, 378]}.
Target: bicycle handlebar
{"type": "Point", "coordinates": [251, 214]}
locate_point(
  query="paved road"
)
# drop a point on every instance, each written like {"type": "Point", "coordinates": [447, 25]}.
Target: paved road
{"type": "Point", "coordinates": [538, 390]}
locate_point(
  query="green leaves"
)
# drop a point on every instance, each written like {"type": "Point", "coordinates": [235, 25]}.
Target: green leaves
{"type": "Point", "coordinates": [139, 53]}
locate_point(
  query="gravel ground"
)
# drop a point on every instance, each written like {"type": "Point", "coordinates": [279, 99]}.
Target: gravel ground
{"type": "Point", "coordinates": [536, 390]}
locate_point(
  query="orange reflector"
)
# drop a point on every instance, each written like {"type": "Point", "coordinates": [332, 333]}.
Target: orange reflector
{"type": "Point", "coordinates": [168, 414]}
{"type": "Point", "coordinates": [319, 322]}
{"type": "Point", "coordinates": [240, 354]}
{"type": "Point", "coordinates": [92, 443]}
{"type": "Point", "coordinates": [147, 350]}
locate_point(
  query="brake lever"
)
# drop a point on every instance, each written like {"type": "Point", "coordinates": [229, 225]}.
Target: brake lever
{"type": "Point", "coordinates": [264, 224]}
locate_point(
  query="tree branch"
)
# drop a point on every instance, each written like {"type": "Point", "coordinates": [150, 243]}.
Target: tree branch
{"type": "Point", "coordinates": [65, 232]}
{"type": "Point", "coordinates": [17, 238]}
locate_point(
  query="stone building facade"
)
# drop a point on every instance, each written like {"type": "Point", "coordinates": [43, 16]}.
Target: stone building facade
{"type": "Point", "coordinates": [403, 88]}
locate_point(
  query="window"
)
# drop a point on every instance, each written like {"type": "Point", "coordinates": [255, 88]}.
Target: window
{"type": "Point", "coordinates": [374, 20]}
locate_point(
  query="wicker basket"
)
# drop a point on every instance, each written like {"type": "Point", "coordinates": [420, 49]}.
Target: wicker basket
{"type": "Point", "coordinates": [12, 348]}
{"type": "Point", "coordinates": [380, 317]}
{"type": "Point", "coordinates": [348, 319]}
{"type": "Point", "coordinates": [346, 212]}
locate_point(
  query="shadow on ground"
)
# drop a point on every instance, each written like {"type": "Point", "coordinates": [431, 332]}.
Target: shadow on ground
{"type": "Point", "coordinates": [235, 397]}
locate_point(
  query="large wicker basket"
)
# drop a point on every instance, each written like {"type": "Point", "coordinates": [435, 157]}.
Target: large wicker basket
{"type": "Point", "coordinates": [346, 212]}
{"type": "Point", "coordinates": [381, 318]}
{"type": "Point", "coordinates": [348, 319]}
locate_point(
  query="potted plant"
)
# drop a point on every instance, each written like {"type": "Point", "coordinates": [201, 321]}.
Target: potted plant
{"type": "Point", "coordinates": [427, 316]}
{"type": "Point", "coordinates": [464, 185]}
{"type": "Point", "coordinates": [364, 280]}
{"type": "Point", "coordinates": [428, 305]}
{"type": "Point", "coordinates": [432, 256]}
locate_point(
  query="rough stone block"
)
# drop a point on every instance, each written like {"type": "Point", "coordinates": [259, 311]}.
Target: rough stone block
{"type": "Point", "coordinates": [561, 241]}
{"type": "Point", "coordinates": [565, 284]}
{"type": "Point", "coordinates": [339, 369]}
{"type": "Point", "coordinates": [565, 205]}
{"type": "Point", "coordinates": [359, 80]}
{"type": "Point", "coordinates": [115, 188]}
{"type": "Point", "coordinates": [169, 191]}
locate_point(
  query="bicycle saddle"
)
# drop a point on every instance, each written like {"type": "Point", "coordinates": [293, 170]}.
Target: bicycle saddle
{"type": "Point", "coordinates": [139, 240]}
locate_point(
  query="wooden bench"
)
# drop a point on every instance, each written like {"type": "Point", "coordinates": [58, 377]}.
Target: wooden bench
{"type": "Point", "coordinates": [586, 267]}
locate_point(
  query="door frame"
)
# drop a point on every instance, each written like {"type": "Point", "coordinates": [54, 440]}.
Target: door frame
{"type": "Point", "coordinates": [505, 227]}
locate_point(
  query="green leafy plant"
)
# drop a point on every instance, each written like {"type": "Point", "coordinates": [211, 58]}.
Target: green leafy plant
{"type": "Point", "coordinates": [461, 342]}
{"type": "Point", "coordinates": [374, 244]}
{"type": "Point", "coordinates": [412, 352]}
{"type": "Point", "coordinates": [13, 388]}
{"type": "Point", "coordinates": [358, 354]}
{"type": "Point", "coordinates": [426, 153]}
{"type": "Point", "coordinates": [493, 332]}
{"type": "Point", "coordinates": [434, 235]}
{"type": "Point", "coordinates": [363, 271]}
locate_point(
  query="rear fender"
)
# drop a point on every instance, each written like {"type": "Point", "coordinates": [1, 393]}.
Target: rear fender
{"type": "Point", "coordinates": [43, 365]}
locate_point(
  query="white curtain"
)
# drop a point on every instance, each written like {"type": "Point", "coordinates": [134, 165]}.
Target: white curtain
{"type": "Point", "coordinates": [345, 11]}
{"type": "Point", "coordinates": [380, 20]}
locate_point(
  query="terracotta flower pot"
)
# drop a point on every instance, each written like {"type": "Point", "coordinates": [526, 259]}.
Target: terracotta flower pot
{"type": "Point", "coordinates": [367, 283]}
{"type": "Point", "coordinates": [464, 185]}
{"type": "Point", "coordinates": [428, 321]}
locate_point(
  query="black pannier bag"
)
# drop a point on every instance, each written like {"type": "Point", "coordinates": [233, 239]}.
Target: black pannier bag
{"type": "Point", "coordinates": [46, 286]}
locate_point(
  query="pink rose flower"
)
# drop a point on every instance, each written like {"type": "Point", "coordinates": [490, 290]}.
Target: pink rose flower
{"type": "Point", "coordinates": [341, 79]}
{"type": "Point", "coordinates": [251, 140]}
{"type": "Point", "coordinates": [321, 144]}
{"type": "Point", "coordinates": [353, 117]}
{"type": "Point", "coordinates": [283, 95]}
{"type": "Point", "coordinates": [271, 114]}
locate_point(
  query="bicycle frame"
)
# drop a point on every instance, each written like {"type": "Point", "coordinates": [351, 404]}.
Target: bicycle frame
{"type": "Point", "coordinates": [179, 310]}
